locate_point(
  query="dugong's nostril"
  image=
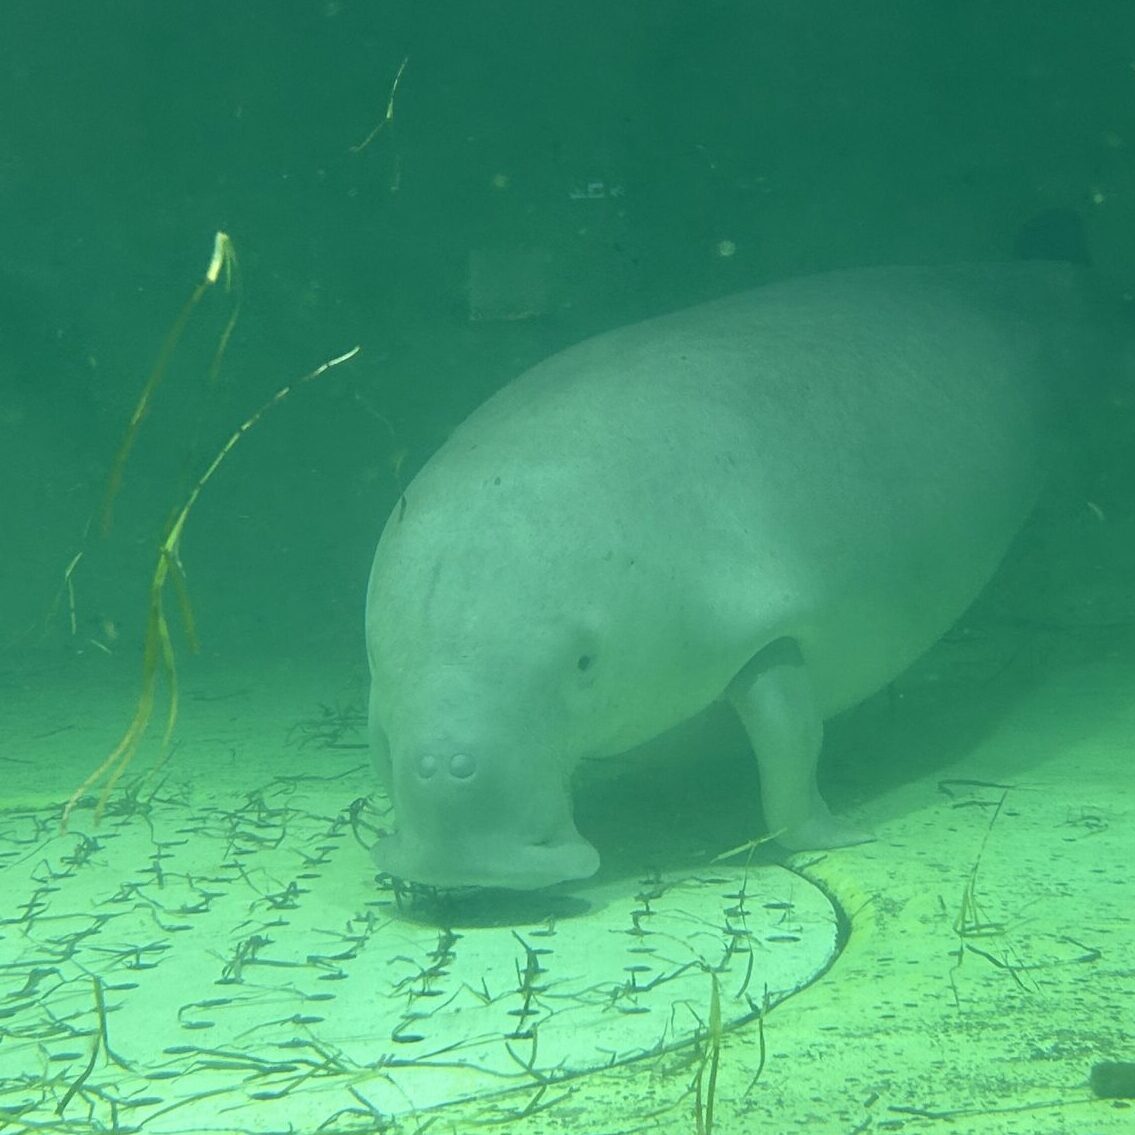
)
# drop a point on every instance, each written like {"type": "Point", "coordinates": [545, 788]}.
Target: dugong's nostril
{"type": "Point", "coordinates": [462, 766]}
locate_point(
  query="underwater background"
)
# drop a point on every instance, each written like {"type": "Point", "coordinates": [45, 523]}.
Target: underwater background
{"type": "Point", "coordinates": [460, 190]}
{"type": "Point", "coordinates": [548, 171]}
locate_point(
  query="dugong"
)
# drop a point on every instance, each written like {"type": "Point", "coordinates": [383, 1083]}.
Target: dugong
{"type": "Point", "coordinates": [779, 498]}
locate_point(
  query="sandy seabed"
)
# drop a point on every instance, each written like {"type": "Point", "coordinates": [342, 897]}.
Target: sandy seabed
{"type": "Point", "coordinates": [987, 967]}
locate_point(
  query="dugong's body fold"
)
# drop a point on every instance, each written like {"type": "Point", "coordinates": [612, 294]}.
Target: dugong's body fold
{"type": "Point", "coordinates": [780, 498]}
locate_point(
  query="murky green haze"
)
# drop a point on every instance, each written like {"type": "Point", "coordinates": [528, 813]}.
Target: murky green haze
{"type": "Point", "coordinates": [549, 170]}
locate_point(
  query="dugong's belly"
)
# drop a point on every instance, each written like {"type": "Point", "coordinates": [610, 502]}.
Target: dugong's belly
{"type": "Point", "coordinates": [597, 551]}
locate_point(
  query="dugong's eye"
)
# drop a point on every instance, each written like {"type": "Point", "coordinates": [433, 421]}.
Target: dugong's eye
{"type": "Point", "coordinates": [584, 662]}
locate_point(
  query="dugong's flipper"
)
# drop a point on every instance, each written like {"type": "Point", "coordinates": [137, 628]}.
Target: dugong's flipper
{"type": "Point", "coordinates": [774, 698]}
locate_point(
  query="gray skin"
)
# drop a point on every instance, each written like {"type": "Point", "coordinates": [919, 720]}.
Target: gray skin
{"type": "Point", "coordinates": [780, 498]}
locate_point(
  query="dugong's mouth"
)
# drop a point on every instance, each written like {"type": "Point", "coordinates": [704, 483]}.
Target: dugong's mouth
{"type": "Point", "coordinates": [517, 866]}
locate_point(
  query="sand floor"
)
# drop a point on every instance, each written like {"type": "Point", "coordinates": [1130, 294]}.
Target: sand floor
{"type": "Point", "coordinates": [988, 967]}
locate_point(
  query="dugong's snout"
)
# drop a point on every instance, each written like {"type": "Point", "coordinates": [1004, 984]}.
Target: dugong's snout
{"type": "Point", "coordinates": [464, 822]}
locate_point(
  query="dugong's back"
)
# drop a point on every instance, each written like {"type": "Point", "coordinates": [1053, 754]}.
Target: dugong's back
{"type": "Point", "coordinates": [848, 454]}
